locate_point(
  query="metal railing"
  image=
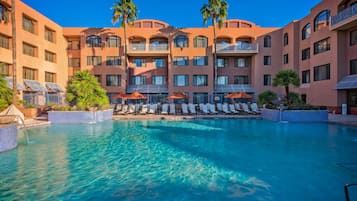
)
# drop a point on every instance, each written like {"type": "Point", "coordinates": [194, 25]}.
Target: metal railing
{"type": "Point", "coordinates": [148, 47]}
{"type": "Point", "coordinates": [245, 47]}
{"type": "Point", "coordinates": [343, 15]}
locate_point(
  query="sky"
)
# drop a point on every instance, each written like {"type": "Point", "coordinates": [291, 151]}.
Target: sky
{"type": "Point", "coordinates": [181, 14]}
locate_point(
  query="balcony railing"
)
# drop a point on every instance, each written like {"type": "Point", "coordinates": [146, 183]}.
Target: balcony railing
{"type": "Point", "coordinates": [149, 48]}
{"type": "Point", "coordinates": [343, 15]}
{"type": "Point", "coordinates": [244, 48]}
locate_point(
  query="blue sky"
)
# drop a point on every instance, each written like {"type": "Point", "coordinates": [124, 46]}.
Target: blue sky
{"type": "Point", "coordinates": [183, 13]}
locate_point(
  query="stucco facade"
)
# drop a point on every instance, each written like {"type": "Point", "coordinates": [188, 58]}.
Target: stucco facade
{"type": "Point", "coordinates": [320, 47]}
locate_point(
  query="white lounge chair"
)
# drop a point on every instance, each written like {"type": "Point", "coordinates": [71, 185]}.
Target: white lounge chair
{"type": "Point", "coordinates": [246, 108]}
{"type": "Point", "coordinates": [225, 108]}
{"type": "Point", "coordinates": [184, 108]}
{"type": "Point", "coordinates": [124, 109]}
{"type": "Point", "coordinates": [204, 108]}
{"type": "Point", "coordinates": [192, 108]}
{"type": "Point", "coordinates": [255, 108]}
{"type": "Point", "coordinates": [172, 108]}
{"type": "Point", "coordinates": [232, 109]}
{"type": "Point", "coordinates": [131, 109]}
{"type": "Point", "coordinates": [212, 108]}
{"type": "Point", "coordinates": [152, 109]}
{"type": "Point", "coordinates": [144, 109]}
{"type": "Point", "coordinates": [165, 108]}
{"type": "Point", "coordinates": [219, 107]}
{"type": "Point", "coordinates": [238, 107]}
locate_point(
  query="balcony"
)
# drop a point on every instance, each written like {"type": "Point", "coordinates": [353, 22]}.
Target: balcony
{"type": "Point", "coordinates": [246, 49]}
{"type": "Point", "coordinates": [148, 88]}
{"type": "Point", "coordinates": [345, 19]}
{"type": "Point", "coordinates": [146, 49]}
{"type": "Point", "coordinates": [230, 88]}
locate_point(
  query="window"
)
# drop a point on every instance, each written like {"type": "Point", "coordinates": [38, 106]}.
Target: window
{"type": "Point", "coordinates": [353, 66]}
{"type": "Point", "coordinates": [29, 50]}
{"type": "Point", "coordinates": [267, 60]}
{"type": "Point", "coordinates": [50, 56]}
{"type": "Point", "coordinates": [305, 76]}
{"type": "Point", "coordinates": [50, 77]}
{"type": "Point", "coordinates": [28, 24]}
{"type": "Point", "coordinates": [200, 61]}
{"type": "Point", "coordinates": [241, 79]}
{"type": "Point", "coordinates": [267, 80]}
{"type": "Point", "coordinates": [222, 80]}
{"type": "Point", "coordinates": [113, 41]}
{"type": "Point", "coordinates": [94, 41]}
{"type": "Point", "coordinates": [94, 60]}
{"type": "Point", "coordinates": [322, 46]}
{"type": "Point", "coordinates": [3, 14]}
{"type": "Point", "coordinates": [113, 61]}
{"type": "Point", "coordinates": [180, 80]}
{"type": "Point", "coordinates": [322, 72]}
{"type": "Point", "coordinates": [241, 62]}
{"type": "Point", "coordinates": [158, 80]}
{"type": "Point", "coordinates": [4, 41]}
{"type": "Point", "coordinates": [285, 59]}
{"type": "Point", "coordinates": [49, 35]}
{"type": "Point", "coordinates": [353, 37]}
{"type": "Point", "coordinates": [138, 80]}
{"type": "Point", "coordinates": [286, 39]}
{"type": "Point", "coordinates": [222, 62]}
{"type": "Point", "coordinates": [139, 62]}
{"type": "Point", "coordinates": [74, 62]}
{"type": "Point", "coordinates": [4, 69]}
{"type": "Point", "coordinates": [180, 61]}
{"type": "Point", "coordinates": [74, 45]}
{"type": "Point", "coordinates": [29, 73]}
{"type": "Point", "coordinates": [200, 98]}
{"type": "Point", "coordinates": [200, 80]}
{"type": "Point", "coordinates": [267, 41]}
{"type": "Point", "coordinates": [159, 62]}
{"type": "Point", "coordinates": [113, 80]}
{"type": "Point", "coordinates": [181, 41]}
{"type": "Point", "coordinates": [322, 20]}
{"type": "Point", "coordinates": [305, 54]}
{"type": "Point", "coordinates": [306, 32]}
{"type": "Point", "coordinates": [200, 41]}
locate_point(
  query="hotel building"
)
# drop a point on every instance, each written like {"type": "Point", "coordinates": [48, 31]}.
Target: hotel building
{"type": "Point", "coordinates": [321, 48]}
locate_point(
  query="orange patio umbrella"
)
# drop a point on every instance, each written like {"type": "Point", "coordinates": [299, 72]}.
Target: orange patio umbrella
{"type": "Point", "coordinates": [238, 95]}
{"type": "Point", "coordinates": [136, 95]}
{"type": "Point", "coordinates": [119, 95]}
{"type": "Point", "coordinates": [178, 95]}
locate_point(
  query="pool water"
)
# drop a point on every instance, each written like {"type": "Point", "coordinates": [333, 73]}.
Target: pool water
{"type": "Point", "coordinates": [182, 160]}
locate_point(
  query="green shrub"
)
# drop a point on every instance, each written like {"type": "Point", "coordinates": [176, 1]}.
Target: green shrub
{"type": "Point", "coordinates": [267, 97]}
{"type": "Point", "coordinates": [305, 107]}
{"type": "Point", "coordinates": [5, 94]}
{"type": "Point", "coordinates": [294, 98]}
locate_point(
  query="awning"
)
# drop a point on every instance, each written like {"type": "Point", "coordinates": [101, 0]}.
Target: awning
{"type": "Point", "coordinates": [33, 85]}
{"type": "Point", "coordinates": [230, 88]}
{"type": "Point", "coordinates": [348, 82]}
{"type": "Point", "coordinates": [53, 87]}
{"type": "Point", "coordinates": [19, 86]}
{"type": "Point", "coordinates": [149, 88]}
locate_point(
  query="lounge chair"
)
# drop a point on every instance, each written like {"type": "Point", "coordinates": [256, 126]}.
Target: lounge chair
{"type": "Point", "coordinates": [131, 109]}
{"type": "Point", "coordinates": [212, 108]}
{"type": "Point", "coordinates": [152, 109]}
{"type": "Point", "coordinates": [124, 109]}
{"type": "Point", "coordinates": [238, 107]}
{"type": "Point", "coordinates": [219, 107]}
{"type": "Point", "coordinates": [165, 108]}
{"type": "Point", "coordinates": [232, 109]}
{"type": "Point", "coordinates": [117, 108]}
{"type": "Point", "coordinates": [255, 108]}
{"type": "Point", "coordinates": [144, 109]}
{"type": "Point", "coordinates": [246, 108]}
{"type": "Point", "coordinates": [192, 108]}
{"type": "Point", "coordinates": [172, 108]}
{"type": "Point", "coordinates": [184, 108]}
{"type": "Point", "coordinates": [225, 108]}
{"type": "Point", "coordinates": [205, 108]}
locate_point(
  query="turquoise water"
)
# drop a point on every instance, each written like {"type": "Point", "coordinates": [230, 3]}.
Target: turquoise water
{"type": "Point", "coordinates": [183, 160]}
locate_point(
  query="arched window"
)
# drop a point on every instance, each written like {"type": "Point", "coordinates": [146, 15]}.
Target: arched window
{"type": "Point", "coordinates": [306, 32]}
{"type": "Point", "coordinates": [113, 41]}
{"type": "Point", "coordinates": [321, 20]}
{"type": "Point", "coordinates": [181, 41]}
{"type": "Point", "coordinates": [200, 41]}
{"type": "Point", "coordinates": [267, 41]}
{"type": "Point", "coordinates": [94, 41]}
{"type": "Point", "coordinates": [286, 39]}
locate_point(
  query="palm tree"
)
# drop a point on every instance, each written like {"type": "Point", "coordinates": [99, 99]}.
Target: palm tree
{"type": "Point", "coordinates": [216, 10]}
{"type": "Point", "coordinates": [14, 69]}
{"type": "Point", "coordinates": [285, 78]}
{"type": "Point", "coordinates": [126, 12]}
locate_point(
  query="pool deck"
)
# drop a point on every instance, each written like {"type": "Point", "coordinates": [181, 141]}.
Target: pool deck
{"type": "Point", "coordinates": [350, 120]}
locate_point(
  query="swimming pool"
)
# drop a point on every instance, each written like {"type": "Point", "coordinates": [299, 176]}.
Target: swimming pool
{"type": "Point", "coordinates": [182, 160]}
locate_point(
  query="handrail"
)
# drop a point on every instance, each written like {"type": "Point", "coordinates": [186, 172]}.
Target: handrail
{"type": "Point", "coordinates": [347, 196]}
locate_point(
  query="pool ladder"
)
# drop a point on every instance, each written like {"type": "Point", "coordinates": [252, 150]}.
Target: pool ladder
{"type": "Point", "coordinates": [347, 195]}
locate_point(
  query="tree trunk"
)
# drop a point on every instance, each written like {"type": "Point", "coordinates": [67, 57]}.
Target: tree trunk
{"type": "Point", "coordinates": [214, 57]}
{"type": "Point", "coordinates": [287, 94]}
{"type": "Point", "coordinates": [125, 55]}
{"type": "Point", "coordinates": [14, 70]}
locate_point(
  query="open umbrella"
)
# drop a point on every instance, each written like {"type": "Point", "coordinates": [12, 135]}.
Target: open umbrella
{"type": "Point", "coordinates": [136, 95]}
{"type": "Point", "coordinates": [238, 95]}
{"type": "Point", "coordinates": [119, 95]}
{"type": "Point", "coordinates": [178, 95]}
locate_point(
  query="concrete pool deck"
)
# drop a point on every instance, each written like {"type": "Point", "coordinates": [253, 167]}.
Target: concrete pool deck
{"type": "Point", "coordinates": [350, 120]}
